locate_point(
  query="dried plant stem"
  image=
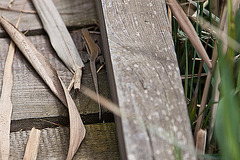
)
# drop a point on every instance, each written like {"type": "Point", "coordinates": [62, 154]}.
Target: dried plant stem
{"type": "Point", "coordinates": [5, 100]}
{"type": "Point", "coordinates": [16, 10]}
{"type": "Point", "coordinates": [201, 141]}
{"type": "Point", "coordinates": [99, 69]}
{"type": "Point", "coordinates": [208, 81]}
{"type": "Point", "coordinates": [187, 27]}
{"type": "Point", "coordinates": [103, 101]}
{"type": "Point", "coordinates": [204, 5]}
{"type": "Point", "coordinates": [32, 145]}
{"type": "Point", "coordinates": [203, 104]}
{"type": "Point", "coordinates": [194, 75]}
{"type": "Point", "coordinates": [205, 94]}
{"type": "Point", "coordinates": [214, 107]}
{"type": "Point", "coordinates": [10, 3]}
{"type": "Point", "coordinates": [169, 17]}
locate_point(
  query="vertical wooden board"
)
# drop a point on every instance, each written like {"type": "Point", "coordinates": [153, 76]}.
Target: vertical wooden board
{"type": "Point", "coordinates": [148, 84]}
{"type": "Point", "coordinates": [74, 13]}
{"type": "Point", "coordinates": [100, 143]}
{"type": "Point", "coordinates": [31, 97]}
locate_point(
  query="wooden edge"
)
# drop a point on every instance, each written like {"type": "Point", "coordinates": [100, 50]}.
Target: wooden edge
{"type": "Point", "coordinates": [148, 135]}
{"type": "Point", "coordinates": [111, 79]}
{"type": "Point", "coordinates": [201, 141]}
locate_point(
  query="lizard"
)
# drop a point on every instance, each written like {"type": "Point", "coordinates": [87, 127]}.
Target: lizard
{"type": "Point", "coordinates": [93, 51]}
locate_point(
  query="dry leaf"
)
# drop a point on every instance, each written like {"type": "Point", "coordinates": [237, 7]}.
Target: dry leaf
{"type": "Point", "coordinates": [5, 100]}
{"type": "Point", "coordinates": [50, 76]}
{"type": "Point", "coordinates": [60, 38]}
{"type": "Point", "coordinates": [6, 105]}
{"type": "Point", "coordinates": [189, 30]}
{"type": "Point", "coordinates": [32, 145]}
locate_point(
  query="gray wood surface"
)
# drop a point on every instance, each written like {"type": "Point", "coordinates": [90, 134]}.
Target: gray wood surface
{"type": "Point", "coordinates": [31, 97]}
{"type": "Point", "coordinates": [33, 102]}
{"type": "Point", "coordinates": [100, 143]}
{"type": "Point", "coordinates": [146, 79]}
{"type": "Point", "coordinates": [75, 13]}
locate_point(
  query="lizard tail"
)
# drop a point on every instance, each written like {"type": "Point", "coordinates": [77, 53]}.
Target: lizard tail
{"type": "Point", "coordinates": [94, 76]}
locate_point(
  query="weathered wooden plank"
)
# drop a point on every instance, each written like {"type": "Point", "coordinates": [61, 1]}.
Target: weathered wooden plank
{"type": "Point", "coordinates": [52, 122]}
{"type": "Point", "coordinates": [100, 143]}
{"type": "Point", "coordinates": [31, 97]}
{"type": "Point", "coordinates": [74, 13]}
{"type": "Point", "coordinates": [144, 76]}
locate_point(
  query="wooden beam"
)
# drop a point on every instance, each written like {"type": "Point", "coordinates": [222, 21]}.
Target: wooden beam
{"type": "Point", "coordinates": [75, 13]}
{"type": "Point", "coordinates": [100, 143]}
{"type": "Point", "coordinates": [31, 97]}
{"type": "Point", "coordinates": [145, 80]}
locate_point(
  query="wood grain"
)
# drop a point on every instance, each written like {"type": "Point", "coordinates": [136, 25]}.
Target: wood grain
{"type": "Point", "coordinates": [145, 79]}
{"type": "Point", "coordinates": [74, 13]}
{"type": "Point", "coordinates": [100, 143]}
{"type": "Point", "coordinates": [31, 97]}
{"type": "Point", "coordinates": [201, 141]}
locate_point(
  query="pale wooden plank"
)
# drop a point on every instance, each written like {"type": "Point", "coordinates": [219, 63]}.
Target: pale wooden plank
{"type": "Point", "coordinates": [100, 143]}
{"type": "Point", "coordinates": [74, 13]}
{"type": "Point", "coordinates": [31, 97]}
{"type": "Point", "coordinates": [145, 80]}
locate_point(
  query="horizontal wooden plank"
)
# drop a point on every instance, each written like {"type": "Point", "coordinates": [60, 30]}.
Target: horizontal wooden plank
{"type": "Point", "coordinates": [74, 13]}
{"type": "Point", "coordinates": [100, 143]}
{"type": "Point", "coordinates": [145, 80]}
{"type": "Point", "coordinates": [31, 98]}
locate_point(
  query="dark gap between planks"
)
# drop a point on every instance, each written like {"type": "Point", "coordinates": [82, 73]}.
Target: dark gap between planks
{"type": "Point", "coordinates": [38, 32]}
{"type": "Point", "coordinates": [52, 122]}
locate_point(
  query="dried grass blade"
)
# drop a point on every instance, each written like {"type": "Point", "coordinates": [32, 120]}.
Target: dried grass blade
{"type": "Point", "coordinates": [189, 30]}
{"type": "Point", "coordinates": [5, 100]}
{"type": "Point", "coordinates": [6, 105]}
{"type": "Point", "coordinates": [103, 101]}
{"type": "Point", "coordinates": [60, 38]}
{"type": "Point", "coordinates": [50, 76]}
{"type": "Point", "coordinates": [38, 61]}
{"type": "Point", "coordinates": [203, 104]}
{"type": "Point", "coordinates": [32, 145]}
